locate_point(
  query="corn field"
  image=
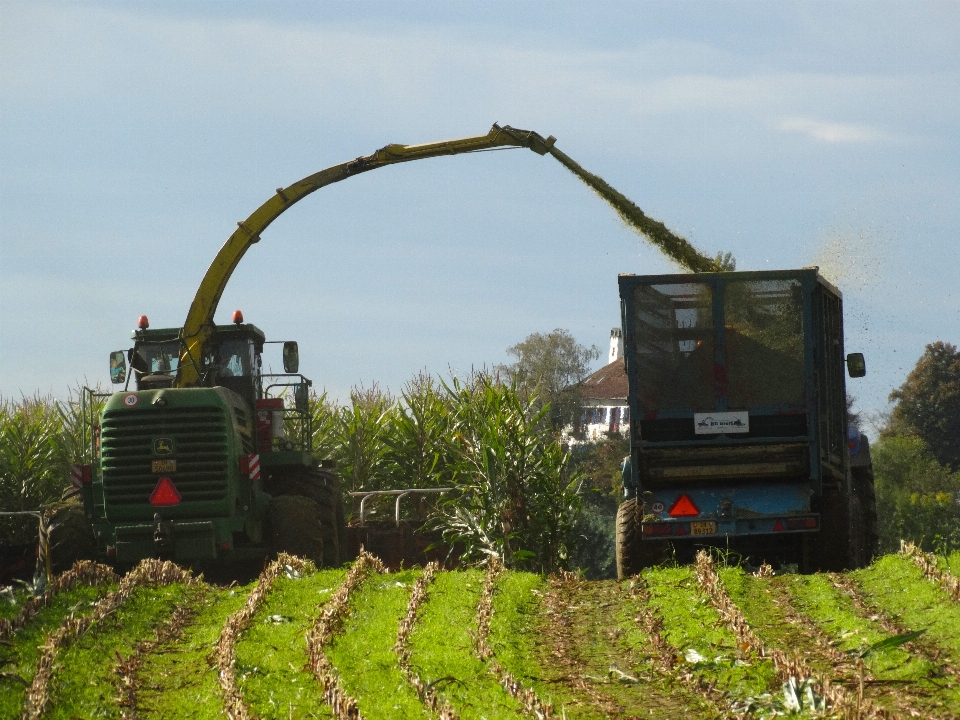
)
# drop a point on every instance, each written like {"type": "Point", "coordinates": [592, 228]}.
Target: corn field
{"type": "Point", "coordinates": [712, 640]}
{"type": "Point", "coordinates": [514, 497]}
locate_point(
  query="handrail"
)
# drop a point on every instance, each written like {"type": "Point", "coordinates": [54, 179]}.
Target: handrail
{"type": "Point", "coordinates": [400, 494]}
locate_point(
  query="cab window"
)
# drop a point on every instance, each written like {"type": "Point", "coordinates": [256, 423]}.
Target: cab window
{"type": "Point", "coordinates": [236, 358]}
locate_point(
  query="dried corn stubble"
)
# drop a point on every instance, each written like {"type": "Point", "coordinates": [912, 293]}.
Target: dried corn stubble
{"type": "Point", "coordinates": [666, 655]}
{"type": "Point", "coordinates": [931, 570]}
{"type": "Point", "coordinates": [83, 573]}
{"type": "Point", "coordinates": [838, 699]}
{"type": "Point", "coordinates": [557, 602]}
{"type": "Point", "coordinates": [149, 573]}
{"type": "Point", "coordinates": [128, 668]}
{"type": "Point", "coordinates": [527, 697]}
{"type": "Point", "coordinates": [427, 693]}
{"type": "Point", "coordinates": [920, 647]}
{"type": "Point", "coordinates": [672, 245]}
{"type": "Point", "coordinates": [327, 625]}
{"type": "Point", "coordinates": [225, 655]}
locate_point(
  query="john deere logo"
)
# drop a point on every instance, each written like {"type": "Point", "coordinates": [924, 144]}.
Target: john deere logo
{"type": "Point", "coordinates": [163, 446]}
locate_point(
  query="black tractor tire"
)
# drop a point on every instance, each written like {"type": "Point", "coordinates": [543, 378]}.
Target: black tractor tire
{"type": "Point", "coordinates": [839, 545]}
{"type": "Point", "coordinates": [71, 537]}
{"type": "Point", "coordinates": [628, 542]}
{"type": "Point", "coordinates": [294, 526]}
{"type": "Point", "coordinates": [633, 553]}
{"type": "Point", "coordinates": [323, 487]}
{"type": "Point", "coordinates": [863, 484]}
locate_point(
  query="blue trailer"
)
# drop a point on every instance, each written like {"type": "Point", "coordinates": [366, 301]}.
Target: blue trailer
{"type": "Point", "coordinates": [739, 432]}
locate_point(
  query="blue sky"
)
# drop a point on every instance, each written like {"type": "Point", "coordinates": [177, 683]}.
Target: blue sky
{"type": "Point", "coordinates": [133, 136]}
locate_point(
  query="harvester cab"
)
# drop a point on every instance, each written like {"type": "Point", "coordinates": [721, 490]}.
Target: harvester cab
{"type": "Point", "coordinates": [222, 469]}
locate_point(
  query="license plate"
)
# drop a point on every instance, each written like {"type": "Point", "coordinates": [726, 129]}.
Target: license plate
{"type": "Point", "coordinates": [703, 528]}
{"type": "Point", "coordinates": [164, 466]}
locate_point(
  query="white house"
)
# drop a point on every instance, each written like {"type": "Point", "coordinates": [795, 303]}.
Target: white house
{"type": "Point", "coordinates": [604, 394]}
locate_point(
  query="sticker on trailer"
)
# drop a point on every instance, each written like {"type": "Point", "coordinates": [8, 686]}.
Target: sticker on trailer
{"type": "Point", "coordinates": [721, 422]}
{"type": "Point", "coordinates": [253, 465]}
{"type": "Point", "coordinates": [76, 476]}
{"type": "Point", "coordinates": [130, 400]}
{"type": "Point", "coordinates": [657, 507]}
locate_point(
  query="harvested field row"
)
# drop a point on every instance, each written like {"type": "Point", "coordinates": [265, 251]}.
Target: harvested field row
{"type": "Point", "coordinates": [706, 642]}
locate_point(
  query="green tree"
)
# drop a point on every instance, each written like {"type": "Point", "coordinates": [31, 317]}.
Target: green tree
{"type": "Point", "coordinates": [547, 369]}
{"type": "Point", "coordinates": [928, 403]}
{"type": "Point", "coordinates": [916, 495]}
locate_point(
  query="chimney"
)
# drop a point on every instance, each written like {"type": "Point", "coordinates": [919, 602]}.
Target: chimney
{"type": "Point", "coordinates": [616, 345]}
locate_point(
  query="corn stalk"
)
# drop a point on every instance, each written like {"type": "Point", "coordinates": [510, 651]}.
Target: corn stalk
{"type": "Point", "coordinates": [532, 705]}
{"type": "Point", "coordinates": [224, 654]}
{"type": "Point", "coordinates": [149, 573]}
{"type": "Point", "coordinates": [787, 667]}
{"type": "Point", "coordinates": [83, 573]}
{"type": "Point", "coordinates": [927, 562]}
{"type": "Point", "coordinates": [427, 693]}
{"type": "Point", "coordinates": [326, 626]}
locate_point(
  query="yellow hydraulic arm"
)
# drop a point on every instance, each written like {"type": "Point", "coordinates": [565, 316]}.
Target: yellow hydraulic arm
{"type": "Point", "coordinates": [199, 324]}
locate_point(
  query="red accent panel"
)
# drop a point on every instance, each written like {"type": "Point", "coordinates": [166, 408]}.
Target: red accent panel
{"type": "Point", "coordinates": [778, 526]}
{"type": "Point", "coordinates": [683, 507]}
{"type": "Point", "coordinates": [165, 494]}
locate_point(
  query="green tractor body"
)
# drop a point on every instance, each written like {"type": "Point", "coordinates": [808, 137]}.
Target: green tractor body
{"type": "Point", "coordinates": [218, 472]}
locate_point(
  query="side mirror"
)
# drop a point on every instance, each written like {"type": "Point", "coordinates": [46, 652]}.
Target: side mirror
{"type": "Point", "coordinates": [118, 367]}
{"type": "Point", "coordinates": [291, 357]}
{"type": "Point", "coordinates": [856, 365]}
{"type": "Point", "coordinates": [301, 398]}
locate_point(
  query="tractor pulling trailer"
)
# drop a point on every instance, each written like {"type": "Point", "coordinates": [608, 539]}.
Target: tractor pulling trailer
{"type": "Point", "coordinates": [739, 435]}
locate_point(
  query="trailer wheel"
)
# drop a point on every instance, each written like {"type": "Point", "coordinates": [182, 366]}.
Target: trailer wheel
{"type": "Point", "coordinates": [628, 541]}
{"type": "Point", "coordinates": [838, 545]}
{"type": "Point", "coordinates": [323, 487]}
{"type": "Point", "coordinates": [294, 527]}
{"type": "Point", "coordinates": [863, 484]}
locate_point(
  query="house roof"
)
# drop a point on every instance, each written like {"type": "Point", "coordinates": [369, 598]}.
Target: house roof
{"type": "Point", "coordinates": [607, 383]}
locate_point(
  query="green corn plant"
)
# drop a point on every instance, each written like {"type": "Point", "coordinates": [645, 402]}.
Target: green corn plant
{"type": "Point", "coordinates": [34, 462]}
{"type": "Point", "coordinates": [362, 429]}
{"type": "Point", "coordinates": [514, 498]}
{"type": "Point", "coordinates": [323, 415]}
{"type": "Point", "coordinates": [419, 453]}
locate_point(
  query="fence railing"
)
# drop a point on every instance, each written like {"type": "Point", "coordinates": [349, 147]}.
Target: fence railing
{"type": "Point", "coordinates": [400, 495]}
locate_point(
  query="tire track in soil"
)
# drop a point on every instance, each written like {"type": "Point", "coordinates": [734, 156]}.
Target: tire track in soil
{"type": "Point", "coordinates": [921, 647]}
{"type": "Point", "coordinates": [814, 643]}
{"type": "Point", "coordinates": [182, 673]}
{"type": "Point", "coordinates": [128, 670]}
{"type": "Point", "coordinates": [589, 655]}
{"type": "Point", "coordinates": [839, 699]}
{"type": "Point", "coordinates": [149, 573]}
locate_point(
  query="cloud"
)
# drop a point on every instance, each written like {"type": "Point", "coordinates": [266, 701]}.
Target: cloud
{"type": "Point", "coordinates": [833, 132]}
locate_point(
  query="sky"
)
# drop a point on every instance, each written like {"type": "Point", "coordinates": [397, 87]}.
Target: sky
{"type": "Point", "coordinates": [134, 136]}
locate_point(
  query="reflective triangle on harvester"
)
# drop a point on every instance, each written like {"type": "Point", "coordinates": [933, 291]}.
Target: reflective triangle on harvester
{"type": "Point", "coordinates": [683, 507]}
{"type": "Point", "coordinates": [165, 493]}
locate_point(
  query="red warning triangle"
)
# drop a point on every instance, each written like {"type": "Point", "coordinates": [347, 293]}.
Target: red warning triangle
{"type": "Point", "coordinates": [164, 494]}
{"type": "Point", "coordinates": [683, 507]}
